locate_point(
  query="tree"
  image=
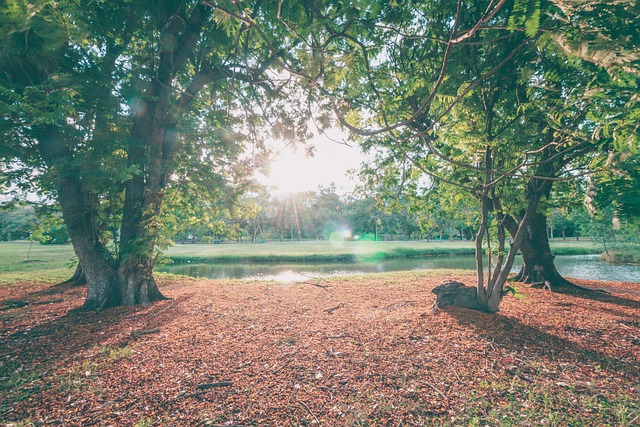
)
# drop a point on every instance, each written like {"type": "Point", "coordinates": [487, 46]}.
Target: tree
{"type": "Point", "coordinates": [613, 203]}
{"type": "Point", "coordinates": [482, 98]}
{"type": "Point", "coordinates": [98, 100]}
{"type": "Point", "coordinates": [16, 222]}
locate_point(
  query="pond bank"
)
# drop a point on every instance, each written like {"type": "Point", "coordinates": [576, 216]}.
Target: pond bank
{"type": "Point", "coordinates": [347, 251]}
{"type": "Point", "coordinates": [622, 257]}
{"type": "Point", "coordinates": [572, 266]}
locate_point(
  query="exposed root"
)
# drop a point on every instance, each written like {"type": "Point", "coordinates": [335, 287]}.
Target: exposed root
{"type": "Point", "coordinates": [78, 278]}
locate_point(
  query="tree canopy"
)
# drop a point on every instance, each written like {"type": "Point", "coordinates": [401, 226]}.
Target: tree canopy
{"type": "Point", "coordinates": [495, 100]}
{"type": "Point", "coordinates": [106, 105]}
{"type": "Point", "coordinates": [111, 108]}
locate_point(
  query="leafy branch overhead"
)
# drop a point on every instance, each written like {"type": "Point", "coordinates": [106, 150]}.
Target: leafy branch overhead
{"type": "Point", "coordinates": [111, 108]}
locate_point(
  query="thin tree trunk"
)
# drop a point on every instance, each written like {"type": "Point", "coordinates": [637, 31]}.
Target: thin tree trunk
{"type": "Point", "coordinates": [482, 289]}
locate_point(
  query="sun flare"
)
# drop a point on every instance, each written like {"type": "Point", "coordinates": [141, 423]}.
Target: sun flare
{"type": "Point", "coordinates": [292, 171]}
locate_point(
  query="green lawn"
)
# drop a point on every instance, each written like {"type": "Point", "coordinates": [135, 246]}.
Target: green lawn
{"type": "Point", "coordinates": [338, 251]}
{"type": "Point", "coordinates": [575, 247]}
{"type": "Point", "coordinates": [22, 261]}
{"type": "Point", "coordinates": [313, 251]}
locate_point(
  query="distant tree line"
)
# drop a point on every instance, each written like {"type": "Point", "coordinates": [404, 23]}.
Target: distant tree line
{"type": "Point", "coordinates": [323, 214]}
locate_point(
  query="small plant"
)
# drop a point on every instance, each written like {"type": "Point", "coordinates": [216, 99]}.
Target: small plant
{"type": "Point", "coordinates": [19, 383]}
{"type": "Point", "coordinates": [147, 422]}
{"type": "Point", "coordinates": [116, 354]}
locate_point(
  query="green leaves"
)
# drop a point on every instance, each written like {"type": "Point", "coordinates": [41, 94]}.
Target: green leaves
{"type": "Point", "coordinates": [525, 13]}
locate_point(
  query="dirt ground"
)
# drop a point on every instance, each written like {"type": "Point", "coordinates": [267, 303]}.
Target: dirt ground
{"type": "Point", "coordinates": [362, 351]}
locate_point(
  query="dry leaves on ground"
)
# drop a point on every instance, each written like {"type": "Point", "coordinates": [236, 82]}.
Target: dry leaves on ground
{"type": "Point", "coordinates": [362, 351]}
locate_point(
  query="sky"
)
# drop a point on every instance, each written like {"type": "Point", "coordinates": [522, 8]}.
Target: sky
{"type": "Point", "coordinates": [292, 171]}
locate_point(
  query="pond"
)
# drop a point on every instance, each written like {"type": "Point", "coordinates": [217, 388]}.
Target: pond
{"type": "Point", "coordinates": [576, 266]}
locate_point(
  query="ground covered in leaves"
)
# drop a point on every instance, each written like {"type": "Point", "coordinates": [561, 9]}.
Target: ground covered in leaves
{"type": "Point", "coordinates": [361, 351]}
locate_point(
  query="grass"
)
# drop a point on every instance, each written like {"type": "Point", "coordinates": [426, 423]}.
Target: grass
{"type": "Point", "coordinates": [625, 256]}
{"type": "Point", "coordinates": [575, 247]}
{"type": "Point", "coordinates": [17, 381]}
{"type": "Point", "coordinates": [24, 261]}
{"type": "Point", "coordinates": [527, 404]}
{"type": "Point", "coordinates": [330, 251]}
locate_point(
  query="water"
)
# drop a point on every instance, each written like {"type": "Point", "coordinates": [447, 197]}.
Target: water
{"type": "Point", "coordinates": [576, 266]}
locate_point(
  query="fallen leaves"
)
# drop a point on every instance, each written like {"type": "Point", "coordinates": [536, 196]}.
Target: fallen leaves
{"type": "Point", "coordinates": [359, 351]}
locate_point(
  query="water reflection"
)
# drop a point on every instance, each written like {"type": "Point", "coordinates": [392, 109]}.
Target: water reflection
{"type": "Point", "coordinates": [576, 266]}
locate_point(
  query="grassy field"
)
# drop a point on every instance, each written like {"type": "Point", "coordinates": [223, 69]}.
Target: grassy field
{"type": "Point", "coordinates": [20, 261]}
{"type": "Point", "coordinates": [341, 251]}
{"type": "Point", "coordinates": [306, 251]}
{"type": "Point", "coordinates": [23, 261]}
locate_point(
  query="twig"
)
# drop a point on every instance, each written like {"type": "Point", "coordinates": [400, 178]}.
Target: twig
{"type": "Point", "coordinates": [400, 304]}
{"type": "Point", "coordinates": [285, 364]}
{"type": "Point", "coordinates": [457, 376]}
{"type": "Point", "coordinates": [214, 385]}
{"type": "Point", "coordinates": [332, 309]}
{"type": "Point", "coordinates": [311, 412]}
{"type": "Point", "coordinates": [434, 387]}
{"type": "Point", "coordinates": [146, 332]}
{"type": "Point", "coordinates": [316, 284]}
{"type": "Point", "coordinates": [161, 311]}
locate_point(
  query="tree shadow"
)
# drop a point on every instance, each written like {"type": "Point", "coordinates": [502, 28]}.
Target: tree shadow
{"type": "Point", "coordinates": [598, 295]}
{"type": "Point", "coordinates": [64, 338]}
{"type": "Point", "coordinates": [41, 296]}
{"type": "Point", "coordinates": [516, 337]}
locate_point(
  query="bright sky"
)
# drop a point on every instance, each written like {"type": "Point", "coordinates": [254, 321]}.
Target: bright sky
{"type": "Point", "coordinates": [292, 171]}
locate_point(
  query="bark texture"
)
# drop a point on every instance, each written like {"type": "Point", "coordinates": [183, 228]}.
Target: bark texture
{"type": "Point", "coordinates": [77, 279]}
{"type": "Point", "coordinates": [111, 281]}
{"type": "Point", "coordinates": [538, 267]}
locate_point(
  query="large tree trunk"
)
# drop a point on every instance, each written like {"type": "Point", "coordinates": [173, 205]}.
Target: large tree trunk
{"type": "Point", "coordinates": [136, 282]}
{"type": "Point", "coordinates": [151, 151]}
{"type": "Point", "coordinates": [126, 278]}
{"type": "Point", "coordinates": [94, 258]}
{"type": "Point", "coordinates": [78, 208]}
{"type": "Point", "coordinates": [110, 282]}
{"type": "Point", "coordinates": [77, 279]}
{"type": "Point", "coordinates": [538, 267]}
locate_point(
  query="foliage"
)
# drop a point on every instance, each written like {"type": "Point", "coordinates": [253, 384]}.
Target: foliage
{"type": "Point", "coordinates": [486, 99]}
{"type": "Point", "coordinates": [50, 229]}
{"type": "Point", "coordinates": [116, 108]}
{"type": "Point", "coordinates": [16, 223]}
{"type": "Point", "coordinates": [107, 105]}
